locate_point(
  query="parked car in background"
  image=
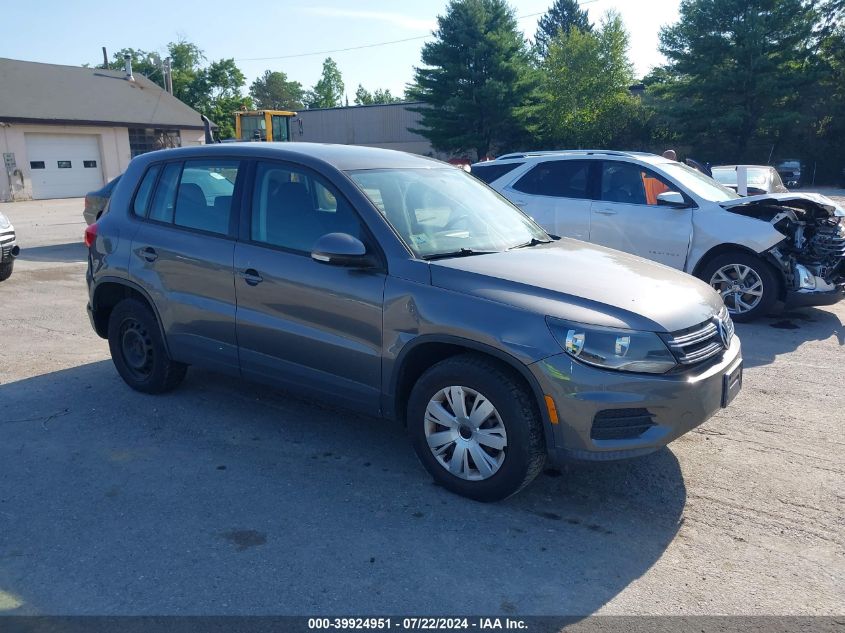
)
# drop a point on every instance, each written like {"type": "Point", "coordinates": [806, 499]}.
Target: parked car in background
{"type": "Point", "coordinates": [400, 286]}
{"type": "Point", "coordinates": [9, 248]}
{"type": "Point", "coordinates": [790, 172]}
{"type": "Point", "coordinates": [759, 178]}
{"type": "Point", "coordinates": [95, 201]}
{"type": "Point", "coordinates": [758, 252]}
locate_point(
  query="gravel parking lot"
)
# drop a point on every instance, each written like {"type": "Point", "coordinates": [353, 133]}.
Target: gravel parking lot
{"type": "Point", "coordinates": [226, 497]}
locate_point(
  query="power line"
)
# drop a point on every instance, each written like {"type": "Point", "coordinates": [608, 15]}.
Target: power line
{"type": "Point", "coordinates": [374, 45]}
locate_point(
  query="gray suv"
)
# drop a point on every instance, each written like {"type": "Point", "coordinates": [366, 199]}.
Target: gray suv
{"type": "Point", "coordinates": [398, 286]}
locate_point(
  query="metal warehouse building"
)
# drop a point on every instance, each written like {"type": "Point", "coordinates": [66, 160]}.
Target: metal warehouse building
{"type": "Point", "coordinates": [66, 130]}
{"type": "Point", "coordinates": [384, 126]}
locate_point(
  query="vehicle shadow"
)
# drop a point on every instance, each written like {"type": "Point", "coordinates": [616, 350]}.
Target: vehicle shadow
{"type": "Point", "coordinates": [767, 338]}
{"type": "Point", "coordinates": [224, 497]}
{"type": "Point", "coordinates": [69, 252]}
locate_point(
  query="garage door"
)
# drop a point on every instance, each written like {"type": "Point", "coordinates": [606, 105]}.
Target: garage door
{"type": "Point", "coordinates": [64, 165]}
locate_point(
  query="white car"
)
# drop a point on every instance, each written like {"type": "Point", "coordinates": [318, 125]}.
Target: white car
{"type": "Point", "coordinates": [8, 247]}
{"type": "Point", "coordinates": [759, 252]}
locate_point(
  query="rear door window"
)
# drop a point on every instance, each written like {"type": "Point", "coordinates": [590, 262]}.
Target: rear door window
{"type": "Point", "coordinates": [557, 178]}
{"type": "Point", "coordinates": [204, 198]}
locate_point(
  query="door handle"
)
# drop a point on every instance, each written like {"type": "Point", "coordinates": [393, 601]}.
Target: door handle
{"type": "Point", "coordinates": [605, 212]}
{"type": "Point", "coordinates": [149, 254]}
{"type": "Point", "coordinates": [251, 276]}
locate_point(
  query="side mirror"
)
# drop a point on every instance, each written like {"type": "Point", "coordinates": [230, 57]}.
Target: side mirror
{"type": "Point", "coordinates": [672, 199]}
{"type": "Point", "coordinates": [341, 249]}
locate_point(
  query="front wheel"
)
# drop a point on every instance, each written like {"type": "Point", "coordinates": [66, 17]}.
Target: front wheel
{"type": "Point", "coordinates": [476, 428]}
{"type": "Point", "coordinates": [747, 284]}
{"type": "Point", "coordinates": [6, 270]}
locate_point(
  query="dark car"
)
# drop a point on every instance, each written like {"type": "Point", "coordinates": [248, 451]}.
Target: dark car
{"type": "Point", "coordinates": [402, 287]}
{"type": "Point", "coordinates": [95, 201]}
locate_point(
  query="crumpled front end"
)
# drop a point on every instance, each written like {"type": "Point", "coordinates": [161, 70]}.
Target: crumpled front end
{"type": "Point", "coordinates": [812, 255]}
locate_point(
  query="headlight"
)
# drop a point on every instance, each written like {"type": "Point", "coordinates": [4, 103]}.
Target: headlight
{"type": "Point", "coordinates": [611, 348]}
{"type": "Point", "coordinates": [4, 221]}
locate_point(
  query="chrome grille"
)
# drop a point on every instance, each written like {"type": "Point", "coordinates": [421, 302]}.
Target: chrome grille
{"type": "Point", "coordinates": [701, 342]}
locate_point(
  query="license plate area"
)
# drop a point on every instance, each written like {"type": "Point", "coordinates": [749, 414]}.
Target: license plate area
{"type": "Point", "coordinates": [731, 385]}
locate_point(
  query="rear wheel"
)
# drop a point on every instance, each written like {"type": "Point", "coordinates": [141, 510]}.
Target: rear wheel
{"type": "Point", "coordinates": [6, 270]}
{"type": "Point", "coordinates": [748, 285]}
{"type": "Point", "coordinates": [476, 428]}
{"type": "Point", "coordinates": [138, 351]}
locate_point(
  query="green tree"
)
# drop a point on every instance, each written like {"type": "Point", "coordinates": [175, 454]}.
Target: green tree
{"type": "Point", "coordinates": [585, 99]}
{"type": "Point", "coordinates": [143, 62]}
{"type": "Point", "coordinates": [273, 91]}
{"type": "Point", "coordinates": [365, 97]}
{"type": "Point", "coordinates": [474, 79]}
{"type": "Point", "coordinates": [563, 15]}
{"type": "Point", "coordinates": [736, 73]}
{"type": "Point", "coordinates": [328, 91]}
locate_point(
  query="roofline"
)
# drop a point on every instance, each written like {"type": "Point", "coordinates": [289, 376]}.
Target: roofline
{"type": "Point", "coordinates": [367, 105]}
{"type": "Point", "coordinates": [578, 152]}
{"type": "Point", "coordinates": [160, 126]}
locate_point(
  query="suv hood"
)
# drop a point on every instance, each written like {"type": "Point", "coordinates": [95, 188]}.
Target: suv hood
{"type": "Point", "coordinates": [585, 283]}
{"type": "Point", "coordinates": [813, 202]}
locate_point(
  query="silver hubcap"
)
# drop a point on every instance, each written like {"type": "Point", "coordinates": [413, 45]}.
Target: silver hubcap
{"type": "Point", "coordinates": [465, 433]}
{"type": "Point", "coordinates": [740, 286]}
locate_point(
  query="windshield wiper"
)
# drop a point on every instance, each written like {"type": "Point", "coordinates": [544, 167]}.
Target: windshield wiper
{"type": "Point", "coordinates": [464, 252]}
{"type": "Point", "coordinates": [534, 242]}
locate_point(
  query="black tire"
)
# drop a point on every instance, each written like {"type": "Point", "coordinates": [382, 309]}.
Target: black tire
{"type": "Point", "coordinates": [6, 270]}
{"type": "Point", "coordinates": [764, 272]}
{"type": "Point", "coordinates": [138, 351]}
{"type": "Point", "coordinates": [525, 452]}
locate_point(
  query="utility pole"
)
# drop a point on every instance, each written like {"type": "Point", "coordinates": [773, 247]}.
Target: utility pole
{"type": "Point", "coordinates": [168, 76]}
{"type": "Point", "coordinates": [105, 59]}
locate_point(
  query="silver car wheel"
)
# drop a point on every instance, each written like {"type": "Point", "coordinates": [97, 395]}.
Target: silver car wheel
{"type": "Point", "coordinates": [740, 286]}
{"type": "Point", "coordinates": [465, 433]}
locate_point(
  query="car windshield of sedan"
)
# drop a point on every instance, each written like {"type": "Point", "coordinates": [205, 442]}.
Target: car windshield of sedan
{"type": "Point", "coordinates": [699, 184]}
{"type": "Point", "coordinates": [445, 212]}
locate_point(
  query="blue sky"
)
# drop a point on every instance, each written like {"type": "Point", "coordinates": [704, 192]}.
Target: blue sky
{"type": "Point", "coordinates": [72, 33]}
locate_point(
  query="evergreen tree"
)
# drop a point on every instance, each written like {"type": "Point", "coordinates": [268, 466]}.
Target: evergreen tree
{"type": "Point", "coordinates": [737, 70]}
{"type": "Point", "coordinates": [563, 15]}
{"type": "Point", "coordinates": [474, 79]}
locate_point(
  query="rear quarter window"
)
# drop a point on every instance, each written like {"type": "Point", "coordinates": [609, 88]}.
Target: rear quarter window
{"type": "Point", "coordinates": [142, 196]}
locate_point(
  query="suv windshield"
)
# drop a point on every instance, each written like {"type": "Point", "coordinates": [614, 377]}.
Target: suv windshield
{"type": "Point", "coordinates": [699, 184]}
{"type": "Point", "coordinates": [441, 212]}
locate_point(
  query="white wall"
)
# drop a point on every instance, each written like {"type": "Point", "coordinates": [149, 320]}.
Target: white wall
{"type": "Point", "coordinates": [192, 137]}
{"type": "Point", "coordinates": [114, 152]}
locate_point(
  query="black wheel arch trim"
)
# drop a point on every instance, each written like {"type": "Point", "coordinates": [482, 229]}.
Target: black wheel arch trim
{"type": "Point", "coordinates": [391, 410]}
{"type": "Point", "coordinates": [140, 290]}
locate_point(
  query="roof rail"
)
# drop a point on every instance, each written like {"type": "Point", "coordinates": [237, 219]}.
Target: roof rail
{"type": "Point", "coordinates": [581, 152]}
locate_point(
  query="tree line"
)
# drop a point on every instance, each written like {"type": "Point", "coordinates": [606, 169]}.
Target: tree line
{"type": "Point", "coordinates": [745, 81]}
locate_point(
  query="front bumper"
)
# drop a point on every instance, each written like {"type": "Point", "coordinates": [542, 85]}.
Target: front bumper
{"type": "Point", "coordinates": [676, 403]}
{"type": "Point", "coordinates": [8, 246]}
{"type": "Point", "coordinates": [799, 298]}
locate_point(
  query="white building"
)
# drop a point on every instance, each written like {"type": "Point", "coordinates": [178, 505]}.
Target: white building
{"type": "Point", "coordinates": [67, 130]}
